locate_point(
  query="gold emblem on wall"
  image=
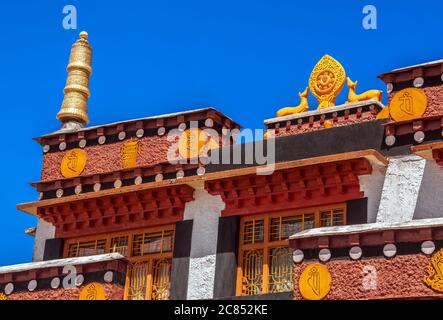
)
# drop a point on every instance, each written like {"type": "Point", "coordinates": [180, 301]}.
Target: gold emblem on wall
{"type": "Point", "coordinates": [326, 81]}
{"type": "Point", "coordinates": [3, 296]}
{"type": "Point", "coordinates": [315, 282]}
{"type": "Point", "coordinates": [73, 163]}
{"type": "Point", "coordinates": [408, 104]}
{"type": "Point", "coordinates": [93, 291]}
{"type": "Point", "coordinates": [193, 141]}
{"type": "Point", "coordinates": [130, 151]}
{"type": "Point", "coordinates": [434, 279]}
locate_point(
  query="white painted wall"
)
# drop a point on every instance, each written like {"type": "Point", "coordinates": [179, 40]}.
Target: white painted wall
{"type": "Point", "coordinates": [372, 186]}
{"type": "Point", "coordinates": [205, 211]}
{"type": "Point", "coordinates": [430, 196]}
{"type": "Point", "coordinates": [44, 231]}
{"type": "Point", "coordinates": [400, 189]}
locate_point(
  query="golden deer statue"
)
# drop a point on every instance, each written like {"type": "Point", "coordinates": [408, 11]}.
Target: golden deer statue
{"type": "Point", "coordinates": [368, 95]}
{"type": "Point", "coordinates": [302, 107]}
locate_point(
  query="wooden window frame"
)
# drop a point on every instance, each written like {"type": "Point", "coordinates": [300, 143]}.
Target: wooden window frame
{"type": "Point", "coordinates": [267, 245]}
{"type": "Point", "coordinates": [148, 258]}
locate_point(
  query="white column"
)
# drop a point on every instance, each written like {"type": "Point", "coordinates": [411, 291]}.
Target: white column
{"type": "Point", "coordinates": [400, 189]}
{"type": "Point", "coordinates": [205, 211]}
{"type": "Point", "coordinates": [44, 231]}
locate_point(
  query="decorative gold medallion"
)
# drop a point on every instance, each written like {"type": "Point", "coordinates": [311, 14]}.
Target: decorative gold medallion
{"type": "Point", "coordinates": [315, 282]}
{"type": "Point", "coordinates": [73, 163]}
{"type": "Point", "coordinates": [434, 279]}
{"type": "Point", "coordinates": [93, 291]}
{"type": "Point", "coordinates": [129, 152]}
{"type": "Point", "coordinates": [3, 296]}
{"type": "Point", "coordinates": [408, 104]}
{"type": "Point", "coordinates": [191, 143]}
{"type": "Point", "coordinates": [326, 81]}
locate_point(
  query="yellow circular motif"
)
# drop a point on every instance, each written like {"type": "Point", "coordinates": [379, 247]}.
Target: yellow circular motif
{"type": "Point", "coordinates": [408, 104]}
{"type": "Point", "coordinates": [315, 282]}
{"type": "Point", "coordinates": [191, 143]}
{"type": "Point", "coordinates": [3, 296]}
{"type": "Point", "coordinates": [73, 163]}
{"type": "Point", "coordinates": [93, 291]}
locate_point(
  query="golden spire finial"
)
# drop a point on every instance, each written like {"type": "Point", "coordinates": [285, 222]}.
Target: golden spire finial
{"type": "Point", "coordinates": [74, 111]}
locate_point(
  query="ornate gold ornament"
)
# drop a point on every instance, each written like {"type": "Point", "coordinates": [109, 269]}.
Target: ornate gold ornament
{"type": "Point", "coordinates": [434, 279]}
{"type": "Point", "coordinates": [93, 291]}
{"type": "Point", "coordinates": [367, 95]}
{"type": "Point", "coordinates": [408, 104]}
{"type": "Point", "coordinates": [315, 282]}
{"type": "Point", "coordinates": [302, 107]}
{"type": "Point", "coordinates": [3, 296]}
{"type": "Point", "coordinates": [74, 108]}
{"type": "Point", "coordinates": [73, 163]}
{"type": "Point", "coordinates": [192, 142]}
{"type": "Point", "coordinates": [326, 81]}
{"type": "Point", "coordinates": [130, 150]}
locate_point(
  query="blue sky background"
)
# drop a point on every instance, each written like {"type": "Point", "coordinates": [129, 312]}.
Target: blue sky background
{"type": "Point", "coordinates": [245, 58]}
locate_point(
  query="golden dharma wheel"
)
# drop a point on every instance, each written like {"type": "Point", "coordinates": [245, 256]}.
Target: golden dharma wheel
{"type": "Point", "coordinates": [326, 81]}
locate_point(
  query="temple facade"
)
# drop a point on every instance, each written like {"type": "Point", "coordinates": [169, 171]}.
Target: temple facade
{"type": "Point", "coordinates": [339, 201]}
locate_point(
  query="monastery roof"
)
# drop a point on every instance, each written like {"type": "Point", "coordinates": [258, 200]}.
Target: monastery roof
{"type": "Point", "coordinates": [212, 110]}
{"type": "Point", "coordinates": [369, 227]}
{"type": "Point", "coordinates": [60, 262]}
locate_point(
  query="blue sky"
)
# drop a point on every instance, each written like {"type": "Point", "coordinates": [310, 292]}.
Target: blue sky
{"type": "Point", "coordinates": [245, 58]}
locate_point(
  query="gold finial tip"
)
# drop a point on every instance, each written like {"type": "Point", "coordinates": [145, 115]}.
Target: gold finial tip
{"type": "Point", "coordinates": [84, 35]}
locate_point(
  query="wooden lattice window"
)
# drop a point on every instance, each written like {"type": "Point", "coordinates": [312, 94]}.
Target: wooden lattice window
{"type": "Point", "coordinates": [150, 258]}
{"type": "Point", "coordinates": [265, 259]}
{"type": "Point", "coordinates": [87, 248]}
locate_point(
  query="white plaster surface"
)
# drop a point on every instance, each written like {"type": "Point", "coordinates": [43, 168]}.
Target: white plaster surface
{"type": "Point", "coordinates": [61, 262]}
{"type": "Point", "coordinates": [201, 277]}
{"type": "Point", "coordinates": [368, 227]}
{"type": "Point", "coordinates": [205, 211]}
{"type": "Point", "coordinates": [400, 189]}
{"type": "Point", "coordinates": [372, 185]}
{"type": "Point", "coordinates": [430, 196]}
{"type": "Point", "coordinates": [44, 231]}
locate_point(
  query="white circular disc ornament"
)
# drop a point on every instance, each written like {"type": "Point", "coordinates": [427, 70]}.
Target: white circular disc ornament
{"type": "Point", "coordinates": [419, 136]}
{"type": "Point", "coordinates": [62, 146]}
{"type": "Point", "coordinates": [355, 253]}
{"type": "Point", "coordinates": [138, 180]}
{"type": "Point", "coordinates": [418, 82]}
{"type": "Point", "coordinates": [32, 285]}
{"type": "Point", "coordinates": [324, 255]}
{"type": "Point", "coordinates": [389, 250]}
{"type": "Point", "coordinates": [121, 135]}
{"type": "Point", "coordinates": [55, 283]}
{"type": "Point", "coordinates": [428, 247]}
{"type": "Point", "coordinates": [117, 184]}
{"type": "Point", "coordinates": [298, 256]}
{"type": "Point", "coordinates": [9, 288]}
{"type": "Point", "coordinates": [140, 133]}
{"type": "Point", "coordinates": [78, 189]}
{"type": "Point", "coordinates": [79, 280]}
{"type": "Point", "coordinates": [390, 140]}
{"type": "Point", "coordinates": [82, 143]}
{"type": "Point", "coordinates": [109, 276]}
